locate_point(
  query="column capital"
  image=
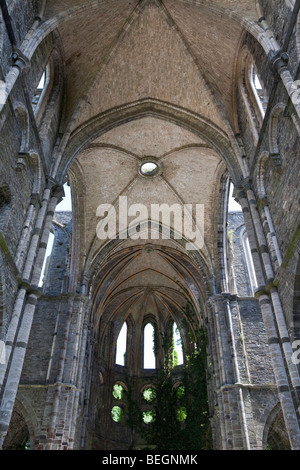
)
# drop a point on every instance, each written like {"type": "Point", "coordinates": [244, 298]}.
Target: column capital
{"type": "Point", "coordinates": [23, 160]}
{"type": "Point", "coordinates": [57, 189]}
{"type": "Point", "coordinates": [20, 60]}
{"type": "Point", "coordinates": [50, 182]}
{"type": "Point", "coordinates": [58, 192]}
{"type": "Point", "coordinates": [35, 199]}
{"type": "Point", "coordinates": [246, 183]}
{"type": "Point", "coordinates": [239, 193]}
{"type": "Point", "coordinates": [260, 291]}
{"type": "Point", "coordinates": [278, 60]}
{"type": "Point", "coordinates": [227, 296]}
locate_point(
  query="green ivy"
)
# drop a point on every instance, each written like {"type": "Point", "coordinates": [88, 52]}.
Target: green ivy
{"type": "Point", "coordinates": [179, 418]}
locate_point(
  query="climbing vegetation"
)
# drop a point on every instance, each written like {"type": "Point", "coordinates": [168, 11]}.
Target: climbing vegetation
{"type": "Point", "coordinates": [179, 415]}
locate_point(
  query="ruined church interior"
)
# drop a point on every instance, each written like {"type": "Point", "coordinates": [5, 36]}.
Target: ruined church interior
{"type": "Point", "coordinates": [149, 225]}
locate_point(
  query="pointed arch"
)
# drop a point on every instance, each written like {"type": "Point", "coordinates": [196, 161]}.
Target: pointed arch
{"type": "Point", "coordinates": [252, 91]}
{"type": "Point", "coordinates": [21, 432]}
{"type": "Point", "coordinates": [258, 90]}
{"type": "Point", "coordinates": [275, 435]}
{"type": "Point", "coordinates": [215, 137]}
{"type": "Point", "coordinates": [48, 92]}
{"type": "Point", "coordinates": [249, 261]}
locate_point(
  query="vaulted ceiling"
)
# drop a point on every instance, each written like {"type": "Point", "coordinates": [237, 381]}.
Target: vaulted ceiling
{"type": "Point", "coordinates": [118, 51]}
{"type": "Point", "coordinates": [178, 55]}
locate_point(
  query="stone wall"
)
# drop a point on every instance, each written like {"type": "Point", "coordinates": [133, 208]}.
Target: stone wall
{"type": "Point", "coordinates": [52, 371]}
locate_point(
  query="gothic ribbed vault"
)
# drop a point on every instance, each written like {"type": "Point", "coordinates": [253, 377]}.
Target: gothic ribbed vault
{"type": "Point", "coordinates": [90, 90]}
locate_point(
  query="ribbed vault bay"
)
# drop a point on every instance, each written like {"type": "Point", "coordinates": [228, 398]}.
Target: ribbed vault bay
{"type": "Point", "coordinates": [109, 170]}
{"type": "Point", "coordinates": [118, 52]}
{"type": "Point", "coordinates": [148, 281]}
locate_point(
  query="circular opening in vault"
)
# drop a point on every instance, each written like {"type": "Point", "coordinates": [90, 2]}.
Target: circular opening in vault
{"type": "Point", "coordinates": [149, 168]}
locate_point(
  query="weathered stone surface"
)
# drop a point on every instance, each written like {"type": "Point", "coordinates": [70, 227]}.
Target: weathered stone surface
{"type": "Point", "coordinates": [172, 81]}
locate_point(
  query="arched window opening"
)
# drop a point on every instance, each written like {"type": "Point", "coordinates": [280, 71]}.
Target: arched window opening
{"type": "Point", "coordinates": [149, 347]}
{"type": "Point", "coordinates": [117, 414]}
{"type": "Point", "coordinates": [39, 90]}
{"type": "Point", "coordinates": [233, 205]}
{"type": "Point", "coordinates": [257, 88]}
{"type": "Point", "coordinates": [181, 414]}
{"type": "Point", "coordinates": [66, 204]}
{"type": "Point", "coordinates": [20, 433]}
{"type": "Point", "coordinates": [47, 257]}
{"type": "Point", "coordinates": [121, 346]}
{"type": "Point", "coordinates": [118, 391]}
{"type": "Point", "coordinates": [177, 350]}
{"type": "Point", "coordinates": [249, 261]}
{"type": "Point", "coordinates": [180, 392]}
{"type": "Point", "coordinates": [254, 101]}
{"type": "Point", "coordinates": [275, 433]}
{"type": "Point", "coordinates": [148, 416]}
{"type": "Point", "coordinates": [241, 277]}
{"type": "Point", "coordinates": [149, 394]}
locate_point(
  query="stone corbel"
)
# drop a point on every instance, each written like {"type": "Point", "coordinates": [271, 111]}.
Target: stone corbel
{"type": "Point", "coordinates": [279, 60]}
{"type": "Point", "coordinates": [246, 183]}
{"type": "Point", "coordinates": [227, 296]}
{"type": "Point", "coordinates": [58, 192]}
{"type": "Point", "coordinates": [35, 200]}
{"type": "Point", "coordinates": [23, 160]}
{"type": "Point", "coordinates": [20, 60]}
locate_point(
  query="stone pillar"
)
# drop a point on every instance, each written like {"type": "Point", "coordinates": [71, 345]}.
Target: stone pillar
{"type": "Point", "coordinates": [270, 287]}
{"type": "Point", "coordinates": [20, 326]}
{"type": "Point", "coordinates": [232, 421]}
{"type": "Point", "coordinates": [236, 373]}
{"type": "Point", "coordinates": [279, 62]}
{"type": "Point", "coordinates": [21, 296]}
{"type": "Point", "coordinates": [36, 235]}
{"type": "Point", "coordinates": [278, 343]}
{"type": "Point", "coordinates": [79, 390]}
{"type": "Point", "coordinates": [20, 63]}
{"type": "Point", "coordinates": [269, 231]}
{"type": "Point", "coordinates": [15, 370]}
{"type": "Point", "coordinates": [26, 232]}
{"type": "Point", "coordinates": [65, 393]}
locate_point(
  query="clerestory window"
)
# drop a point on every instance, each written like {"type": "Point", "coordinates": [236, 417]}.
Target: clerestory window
{"type": "Point", "coordinates": [121, 346]}
{"type": "Point", "coordinates": [177, 350]}
{"type": "Point", "coordinates": [249, 261]}
{"type": "Point", "coordinates": [149, 347]}
{"type": "Point", "coordinates": [258, 91]}
{"type": "Point", "coordinates": [40, 90]}
{"type": "Point", "coordinates": [252, 92]}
